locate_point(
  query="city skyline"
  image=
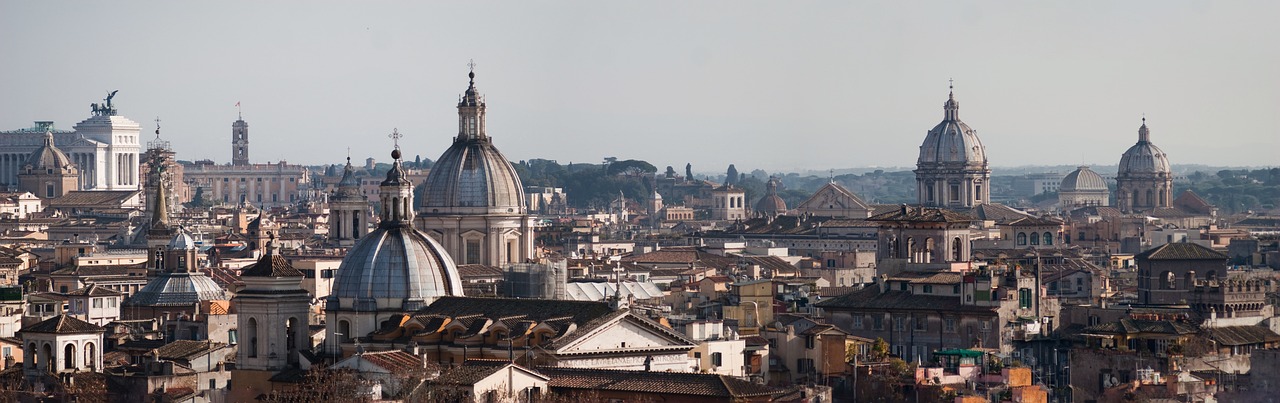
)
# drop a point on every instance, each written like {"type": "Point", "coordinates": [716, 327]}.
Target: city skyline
{"type": "Point", "coordinates": [671, 84]}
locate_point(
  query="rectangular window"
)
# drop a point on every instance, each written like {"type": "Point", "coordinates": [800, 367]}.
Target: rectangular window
{"type": "Point", "coordinates": [955, 192]}
{"type": "Point", "coordinates": [899, 323]}
{"type": "Point", "coordinates": [97, 302]}
{"type": "Point", "coordinates": [949, 325]}
{"type": "Point", "coordinates": [808, 342]}
{"type": "Point", "coordinates": [928, 289]}
{"type": "Point", "coordinates": [857, 322]}
{"type": "Point", "coordinates": [8, 351]}
{"type": "Point", "coordinates": [955, 289]}
{"type": "Point", "coordinates": [716, 359]}
{"type": "Point", "coordinates": [111, 302]}
{"type": "Point", "coordinates": [1024, 298]}
{"type": "Point", "coordinates": [473, 252]}
{"type": "Point", "coordinates": [922, 323]}
{"type": "Point", "coordinates": [877, 322]}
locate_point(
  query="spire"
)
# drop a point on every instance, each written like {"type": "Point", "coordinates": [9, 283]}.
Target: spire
{"type": "Point", "coordinates": [951, 108]}
{"type": "Point", "coordinates": [160, 214]}
{"type": "Point", "coordinates": [1144, 134]}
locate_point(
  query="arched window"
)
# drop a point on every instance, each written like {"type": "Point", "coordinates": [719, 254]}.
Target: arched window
{"type": "Point", "coordinates": [1169, 280]}
{"type": "Point", "coordinates": [290, 331]}
{"type": "Point", "coordinates": [344, 327]}
{"type": "Point", "coordinates": [1048, 238]}
{"type": "Point", "coordinates": [1022, 238]}
{"type": "Point", "coordinates": [47, 357]}
{"type": "Point", "coordinates": [69, 356]}
{"type": "Point", "coordinates": [928, 250]}
{"type": "Point", "coordinates": [90, 356]}
{"type": "Point", "coordinates": [1035, 240]}
{"type": "Point", "coordinates": [957, 250]}
{"type": "Point", "coordinates": [1190, 280]}
{"type": "Point", "coordinates": [911, 250]}
{"type": "Point", "coordinates": [252, 334]}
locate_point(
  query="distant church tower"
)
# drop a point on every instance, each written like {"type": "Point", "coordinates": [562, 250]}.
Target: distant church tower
{"type": "Point", "coordinates": [1144, 180]}
{"type": "Point", "coordinates": [952, 170]}
{"type": "Point", "coordinates": [348, 210]}
{"type": "Point", "coordinates": [240, 142]}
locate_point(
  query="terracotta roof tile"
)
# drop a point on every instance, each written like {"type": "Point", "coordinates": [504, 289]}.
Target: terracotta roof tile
{"type": "Point", "coordinates": [921, 214]}
{"type": "Point", "coordinates": [62, 324]}
{"type": "Point", "coordinates": [1181, 251]}
{"type": "Point", "coordinates": [674, 383]}
{"type": "Point", "coordinates": [271, 265]}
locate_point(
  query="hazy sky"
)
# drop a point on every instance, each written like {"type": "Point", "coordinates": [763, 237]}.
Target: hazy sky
{"type": "Point", "coordinates": [772, 85]}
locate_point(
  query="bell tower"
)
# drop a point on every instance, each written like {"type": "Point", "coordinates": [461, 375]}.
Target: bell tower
{"type": "Point", "coordinates": [239, 142]}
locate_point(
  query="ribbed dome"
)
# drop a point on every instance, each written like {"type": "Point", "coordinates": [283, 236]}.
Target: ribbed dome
{"type": "Point", "coordinates": [1083, 179]}
{"type": "Point", "coordinates": [182, 241]}
{"type": "Point", "coordinates": [952, 141]}
{"type": "Point", "coordinates": [771, 203]}
{"type": "Point", "coordinates": [348, 186]}
{"type": "Point", "coordinates": [472, 176]}
{"type": "Point", "coordinates": [178, 289]}
{"type": "Point", "coordinates": [396, 268]}
{"type": "Point", "coordinates": [48, 158]}
{"type": "Point", "coordinates": [1144, 157]}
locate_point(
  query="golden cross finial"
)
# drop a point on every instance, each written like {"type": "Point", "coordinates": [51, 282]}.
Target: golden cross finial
{"type": "Point", "coordinates": [471, 65]}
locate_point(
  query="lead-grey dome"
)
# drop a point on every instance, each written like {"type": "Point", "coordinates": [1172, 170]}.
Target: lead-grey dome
{"type": "Point", "coordinates": [1082, 179]}
{"type": "Point", "coordinates": [396, 267]}
{"type": "Point", "coordinates": [952, 141]}
{"type": "Point", "coordinates": [49, 159]}
{"type": "Point", "coordinates": [472, 176]}
{"type": "Point", "coordinates": [1144, 157]}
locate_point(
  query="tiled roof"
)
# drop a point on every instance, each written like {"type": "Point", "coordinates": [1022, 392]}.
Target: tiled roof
{"type": "Point", "coordinates": [396, 361]}
{"type": "Point", "coordinates": [93, 198]}
{"type": "Point", "coordinates": [682, 256]}
{"type": "Point", "coordinates": [62, 324]}
{"type": "Point", "coordinates": [915, 277]}
{"type": "Point", "coordinates": [999, 213]}
{"type": "Point", "coordinates": [870, 297]}
{"type": "Point", "coordinates": [271, 265]}
{"type": "Point", "coordinates": [1135, 326]}
{"type": "Point", "coordinates": [1181, 251]}
{"type": "Point", "coordinates": [471, 371]}
{"type": "Point", "coordinates": [1242, 335]}
{"type": "Point", "coordinates": [478, 271]}
{"type": "Point", "coordinates": [93, 290]}
{"type": "Point", "coordinates": [673, 383]}
{"type": "Point", "coordinates": [186, 349]}
{"type": "Point", "coordinates": [921, 214]}
{"type": "Point", "coordinates": [1190, 202]}
{"type": "Point", "coordinates": [533, 309]}
{"type": "Point", "coordinates": [1030, 221]}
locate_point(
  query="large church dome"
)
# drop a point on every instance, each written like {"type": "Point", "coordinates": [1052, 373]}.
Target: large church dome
{"type": "Point", "coordinates": [396, 267]}
{"type": "Point", "coordinates": [952, 141]}
{"type": "Point", "coordinates": [48, 158]}
{"type": "Point", "coordinates": [1083, 179]}
{"type": "Point", "coordinates": [472, 176]}
{"type": "Point", "coordinates": [1144, 157]}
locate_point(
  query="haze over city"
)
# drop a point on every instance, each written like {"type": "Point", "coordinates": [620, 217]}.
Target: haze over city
{"type": "Point", "coordinates": [761, 85]}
